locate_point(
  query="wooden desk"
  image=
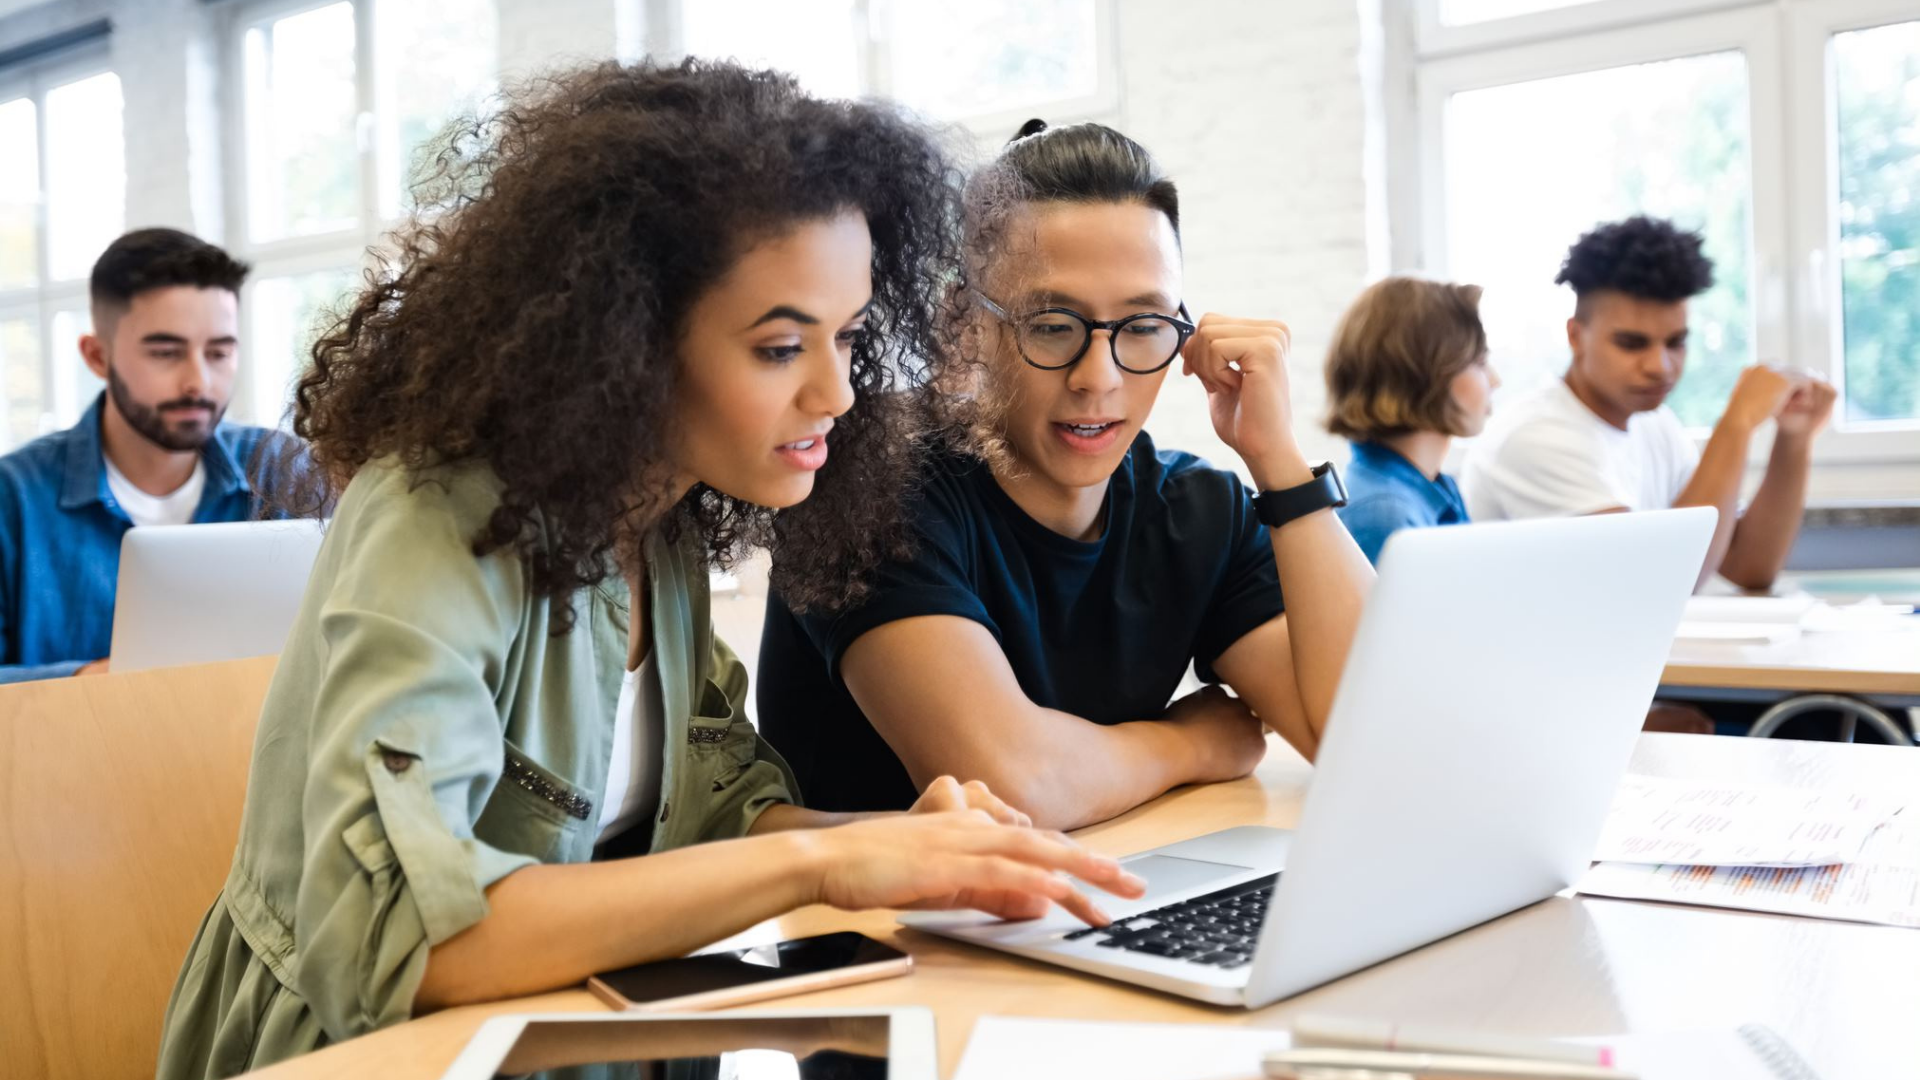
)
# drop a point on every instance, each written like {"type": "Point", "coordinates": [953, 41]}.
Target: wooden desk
{"type": "Point", "coordinates": [1847, 995]}
{"type": "Point", "coordinates": [1868, 664]}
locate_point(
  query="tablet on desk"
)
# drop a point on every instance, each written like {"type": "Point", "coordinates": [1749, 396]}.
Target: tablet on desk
{"type": "Point", "coordinates": [834, 1044]}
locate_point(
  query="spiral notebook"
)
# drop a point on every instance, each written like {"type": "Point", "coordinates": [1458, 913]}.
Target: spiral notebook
{"type": "Point", "coordinates": [1752, 1052]}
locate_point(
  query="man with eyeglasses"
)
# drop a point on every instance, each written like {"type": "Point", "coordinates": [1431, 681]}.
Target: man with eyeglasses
{"type": "Point", "coordinates": [1067, 575]}
{"type": "Point", "coordinates": [151, 451]}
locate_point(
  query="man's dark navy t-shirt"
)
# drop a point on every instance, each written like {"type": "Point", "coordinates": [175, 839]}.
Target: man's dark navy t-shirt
{"type": "Point", "coordinates": [1103, 629]}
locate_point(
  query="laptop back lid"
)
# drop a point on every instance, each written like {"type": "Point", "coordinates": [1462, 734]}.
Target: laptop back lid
{"type": "Point", "coordinates": [1493, 696]}
{"type": "Point", "coordinates": [193, 594]}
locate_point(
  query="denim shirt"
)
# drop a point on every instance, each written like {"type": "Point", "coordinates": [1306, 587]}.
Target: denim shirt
{"type": "Point", "coordinates": [60, 530]}
{"type": "Point", "coordinates": [1387, 493]}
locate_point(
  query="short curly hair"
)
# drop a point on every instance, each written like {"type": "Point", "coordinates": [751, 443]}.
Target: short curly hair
{"type": "Point", "coordinates": [531, 318]}
{"type": "Point", "coordinates": [1643, 257]}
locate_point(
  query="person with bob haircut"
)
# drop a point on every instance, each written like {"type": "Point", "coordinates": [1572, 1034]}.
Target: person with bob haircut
{"type": "Point", "coordinates": [1068, 573]}
{"type": "Point", "coordinates": [1407, 373]}
{"type": "Point", "coordinates": [503, 750]}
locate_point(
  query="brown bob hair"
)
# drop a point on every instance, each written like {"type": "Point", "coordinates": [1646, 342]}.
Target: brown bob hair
{"type": "Point", "coordinates": [1394, 356]}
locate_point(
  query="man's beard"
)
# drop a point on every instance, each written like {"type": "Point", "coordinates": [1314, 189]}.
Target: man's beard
{"type": "Point", "coordinates": [151, 421]}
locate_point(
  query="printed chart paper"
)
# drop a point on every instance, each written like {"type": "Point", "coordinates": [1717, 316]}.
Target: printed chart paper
{"type": "Point", "coordinates": [1882, 886]}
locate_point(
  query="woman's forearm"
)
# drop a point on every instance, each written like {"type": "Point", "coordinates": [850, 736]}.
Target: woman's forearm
{"type": "Point", "coordinates": [553, 925]}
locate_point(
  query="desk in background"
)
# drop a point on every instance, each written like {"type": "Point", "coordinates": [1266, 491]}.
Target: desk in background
{"type": "Point", "coordinates": [1845, 994]}
{"type": "Point", "coordinates": [1875, 673]}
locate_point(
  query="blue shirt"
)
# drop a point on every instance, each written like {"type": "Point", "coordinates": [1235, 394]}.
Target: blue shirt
{"type": "Point", "coordinates": [1386, 493]}
{"type": "Point", "coordinates": [1104, 629]}
{"type": "Point", "coordinates": [60, 530]}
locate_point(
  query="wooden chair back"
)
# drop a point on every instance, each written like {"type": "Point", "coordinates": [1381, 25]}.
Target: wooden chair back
{"type": "Point", "coordinates": [120, 800]}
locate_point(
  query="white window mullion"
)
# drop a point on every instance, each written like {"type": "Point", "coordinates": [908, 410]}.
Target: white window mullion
{"type": "Point", "coordinates": [1771, 283]}
{"type": "Point", "coordinates": [365, 124]}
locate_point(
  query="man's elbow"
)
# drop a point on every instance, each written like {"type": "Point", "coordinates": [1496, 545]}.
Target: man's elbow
{"type": "Point", "coordinates": [1752, 579]}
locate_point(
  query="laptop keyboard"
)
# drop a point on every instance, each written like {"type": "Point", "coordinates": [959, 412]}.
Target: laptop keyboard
{"type": "Point", "coordinates": [1219, 929]}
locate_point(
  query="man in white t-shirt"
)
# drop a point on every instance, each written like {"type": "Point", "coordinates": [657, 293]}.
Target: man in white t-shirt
{"type": "Point", "coordinates": [1603, 441]}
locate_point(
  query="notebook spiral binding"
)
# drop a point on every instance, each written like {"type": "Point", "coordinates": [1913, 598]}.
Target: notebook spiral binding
{"type": "Point", "coordinates": [1776, 1053]}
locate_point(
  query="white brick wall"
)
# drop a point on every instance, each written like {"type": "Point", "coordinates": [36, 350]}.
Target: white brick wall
{"type": "Point", "coordinates": [1256, 110]}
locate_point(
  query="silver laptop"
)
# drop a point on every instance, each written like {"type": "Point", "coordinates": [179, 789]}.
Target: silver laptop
{"type": "Point", "coordinates": [193, 594]}
{"type": "Point", "coordinates": [1487, 712]}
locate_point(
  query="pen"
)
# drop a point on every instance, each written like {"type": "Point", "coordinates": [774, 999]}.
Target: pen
{"type": "Point", "coordinates": [1308, 1061]}
{"type": "Point", "coordinates": [1329, 1031]}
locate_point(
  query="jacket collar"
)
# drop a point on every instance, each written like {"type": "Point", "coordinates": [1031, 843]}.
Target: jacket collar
{"type": "Point", "coordinates": [86, 476]}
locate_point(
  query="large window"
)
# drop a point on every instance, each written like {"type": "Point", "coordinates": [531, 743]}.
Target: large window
{"type": "Point", "coordinates": [1877, 100]}
{"type": "Point", "coordinates": [990, 63]}
{"type": "Point", "coordinates": [62, 200]}
{"type": "Point", "coordinates": [340, 104]}
{"type": "Point", "coordinates": [1788, 132]}
{"type": "Point", "coordinates": [1668, 138]}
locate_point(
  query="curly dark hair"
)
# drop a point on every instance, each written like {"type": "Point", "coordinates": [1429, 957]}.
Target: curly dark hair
{"type": "Point", "coordinates": [146, 259]}
{"type": "Point", "coordinates": [1643, 257]}
{"type": "Point", "coordinates": [531, 317]}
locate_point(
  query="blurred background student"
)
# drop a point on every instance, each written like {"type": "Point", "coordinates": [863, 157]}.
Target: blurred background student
{"type": "Point", "coordinates": [1407, 373]}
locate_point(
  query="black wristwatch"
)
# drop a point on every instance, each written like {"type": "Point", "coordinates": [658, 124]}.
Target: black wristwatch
{"type": "Point", "coordinates": [1324, 491]}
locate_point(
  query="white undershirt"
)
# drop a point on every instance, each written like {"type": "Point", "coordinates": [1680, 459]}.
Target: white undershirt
{"type": "Point", "coordinates": [633, 773]}
{"type": "Point", "coordinates": [144, 509]}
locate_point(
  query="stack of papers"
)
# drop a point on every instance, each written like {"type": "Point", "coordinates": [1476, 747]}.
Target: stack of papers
{"type": "Point", "coordinates": [1703, 824]}
{"type": "Point", "coordinates": [1793, 851]}
{"type": "Point", "coordinates": [1772, 620]}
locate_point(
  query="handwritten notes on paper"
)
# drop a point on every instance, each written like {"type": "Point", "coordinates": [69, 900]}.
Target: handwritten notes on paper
{"type": "Point", "coordinates": [1706, 824]}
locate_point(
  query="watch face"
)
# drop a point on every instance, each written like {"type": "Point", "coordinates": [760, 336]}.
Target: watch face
{"type": "Point", "coordinates": [1339, 486]}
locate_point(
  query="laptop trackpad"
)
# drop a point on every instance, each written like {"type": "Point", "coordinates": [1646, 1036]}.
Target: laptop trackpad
{"type": "Point", "coordinates": [1168, 874]}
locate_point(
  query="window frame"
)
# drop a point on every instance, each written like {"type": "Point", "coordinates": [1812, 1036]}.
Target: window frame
{"type": "Point", "coordinates": [47, 297]}
{"type": "Point", "coordinates": [1815, 237]}
{"type": "Point", "coordinates": [351, 250]}
{"type": "Point", "coordinates": [1794, 227]}
{"type": "Point", "coordinates": [1436, 39]}
{"type": "Point", "coordinates": [871, 20]}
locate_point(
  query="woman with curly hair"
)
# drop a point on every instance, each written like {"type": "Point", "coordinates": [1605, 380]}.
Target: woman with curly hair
{"type": "Point", "coordinates": [503, 750]}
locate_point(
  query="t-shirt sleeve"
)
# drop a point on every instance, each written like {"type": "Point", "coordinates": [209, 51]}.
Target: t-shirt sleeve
{"type": "Point", "coordinates": [1248, 595]}
{"type": "Point", "coordinates": [935, 580]}
{"type": "Point", "coordinates": [1543, 470]}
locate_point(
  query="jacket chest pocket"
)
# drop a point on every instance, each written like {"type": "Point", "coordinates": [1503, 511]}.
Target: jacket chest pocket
{"type": "Point", "coordinates": [721, 744]}
{"type": "Point", "coordinates": [533, 811]}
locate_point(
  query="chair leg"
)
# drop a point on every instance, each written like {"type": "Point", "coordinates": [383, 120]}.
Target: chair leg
{"type": "Point", "coordinates": [1852, 711]}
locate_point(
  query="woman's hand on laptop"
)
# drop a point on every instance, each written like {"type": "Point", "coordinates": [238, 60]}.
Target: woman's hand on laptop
{"type": "Point", "coordinates": [946, 793]}
{"type": "Point", "coordinates": [960, 859]}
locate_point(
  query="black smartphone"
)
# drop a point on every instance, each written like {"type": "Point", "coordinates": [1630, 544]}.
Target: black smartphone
{"type": "Point", "coordinates": [724, 979]}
